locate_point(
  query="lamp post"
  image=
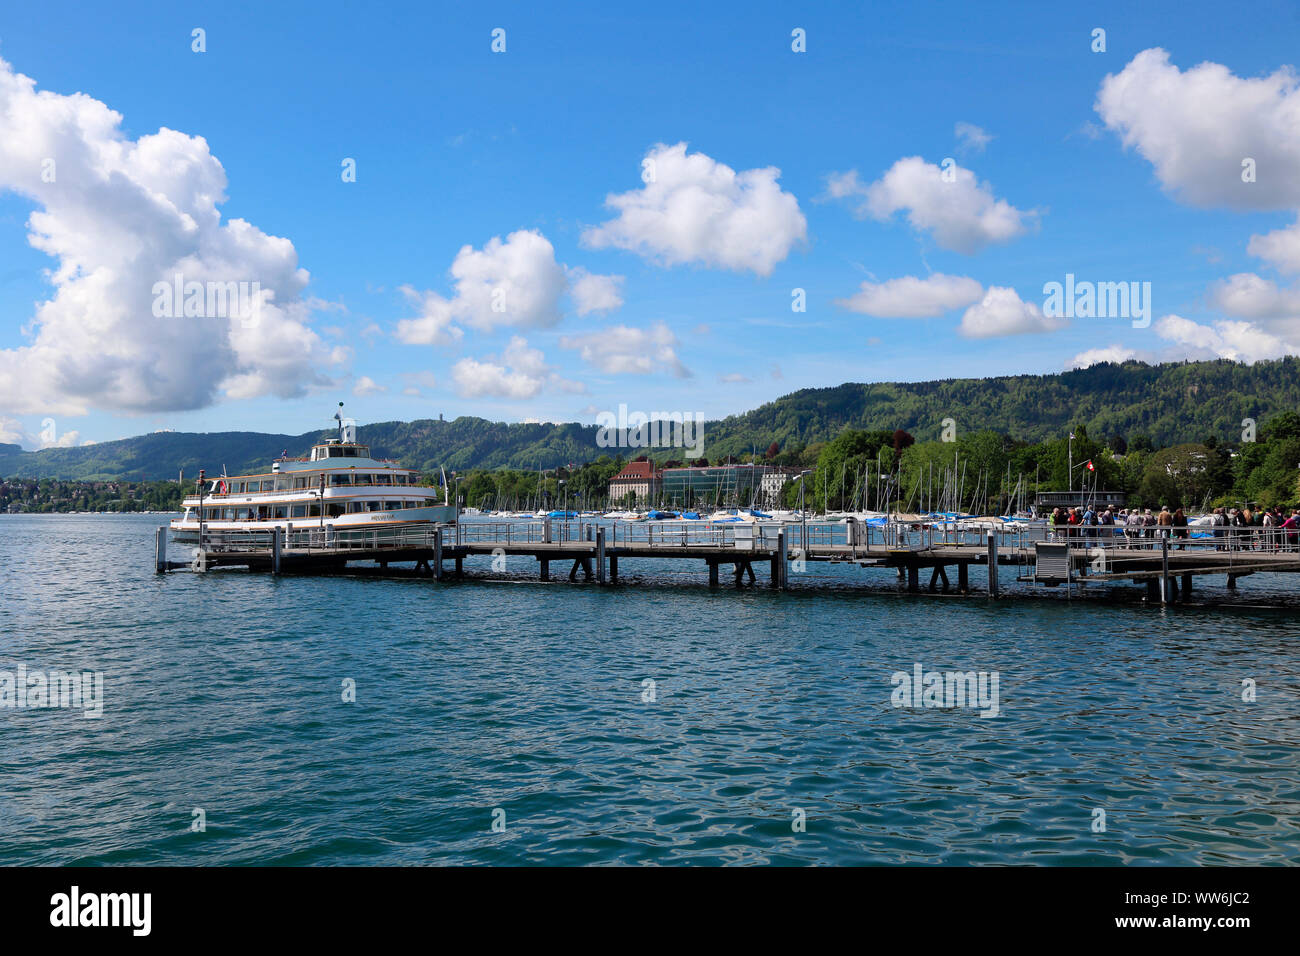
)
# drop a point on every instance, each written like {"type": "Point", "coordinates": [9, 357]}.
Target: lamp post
{"type": "Point", "coordinates": [200, 484]}
{"type": "Point", "coordinates": [803, 515]}
{"type": "Point", "coordinates": [1070, 472]}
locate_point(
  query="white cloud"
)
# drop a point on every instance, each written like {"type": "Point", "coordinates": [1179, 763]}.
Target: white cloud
{"type": "Point", "coordinates": [1235, 340]}
{"type": "Point", "coordinates": [962, 215]}
{"type": "Point", "coordinates": [1252, 297]}
{"type": "Point", "coordinates": [120, 215]}
{"type": "Point", "coordinates": [733, 378]}
{"type": "Point", "coordinates": [1196, 127]}
{"type": "Point", "coordinates": [434, 325]}
{"type": "Point", "coordinates": [1001, 312]}
{"type": "Point", "coordinates": [516, 283]}
{"type": "Point", "coordinates": [1279, 248]}
{"type": "Point", "coordinates": [513, 284]}
{"type": "Point", "coordinates": [697, 210]}
{"type": "Point", "coordinates": [1110, 353]}
{"type": "Point", "coordinates": [594, 293]}
{"type": "Point", "coordinates": [971, 138]}
{"type": "Point", "coordinates": [366, 386]}
{"type": "Point", "coordinates": [621, 350]}
{"type": "Point", "coordinates": [910, 297]}
{"type": "Point", "coordinates": [520, 372]}
{"type": "Point", "coordinates": [12, 432]}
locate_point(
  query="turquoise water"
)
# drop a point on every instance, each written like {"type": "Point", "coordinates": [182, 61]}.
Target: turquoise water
{"type": "Point", "coordinates": [223, 692]}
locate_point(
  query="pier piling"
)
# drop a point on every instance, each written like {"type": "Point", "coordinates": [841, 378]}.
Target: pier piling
{"type": "Point", "coordinates": [1165, 581]}
{"type": "Point", "coordinates": [600, 555]}
{"type": "Point", "coordinates": [437, 554]}
{"type": "Point", "coordinates": [160, 550]}
{"type": "Point", "coordinates": [993, 563]}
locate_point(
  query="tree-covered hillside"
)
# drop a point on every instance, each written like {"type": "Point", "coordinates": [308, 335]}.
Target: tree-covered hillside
{"type": "Point", "coordinates": [1160, 406]}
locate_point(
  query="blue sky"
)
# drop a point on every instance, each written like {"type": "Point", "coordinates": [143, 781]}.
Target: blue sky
{"type": "Point", "coordinates": [456, 145]}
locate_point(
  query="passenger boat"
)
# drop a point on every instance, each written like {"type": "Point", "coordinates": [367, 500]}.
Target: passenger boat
{"type": "Point", "coordinates": [340, 487]}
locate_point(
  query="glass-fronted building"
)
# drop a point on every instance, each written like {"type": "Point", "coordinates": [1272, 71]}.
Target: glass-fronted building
{"type": "Point", "coordinates": [718, 485]}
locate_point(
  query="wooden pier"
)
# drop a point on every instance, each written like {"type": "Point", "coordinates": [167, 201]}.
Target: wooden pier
{"type": "Point", "coordinates": [591, 552]}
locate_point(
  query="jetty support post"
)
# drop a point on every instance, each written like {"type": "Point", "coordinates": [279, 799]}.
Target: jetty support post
{"type": "Point", "coordinates": [1187, 586]}
{"type": "Point", "coordinates": [437, 554]}
{"type": "Point", "coordinates": [1165, 582]}
{"type": "Point", "coordinates": [780, 573]}
{"type": "Point", "coordinates": [546, 568]}
{"type": "Point", "coordinates": [993, 562]}
{"type": "Point", "coordinates": [277, 542]}
{"type": "Point", "coordinates": [613, 569]}
{"type": "Point", "coordinates": [160, 551]}
{"type": "Point", "coordinates": [713, 573]}
{"type": "Point", "coordinates": [600, 555]}
{"type": "Point", "coordinates": [546, 531]}
{"type": "Point", "coordinates": [963, 577]}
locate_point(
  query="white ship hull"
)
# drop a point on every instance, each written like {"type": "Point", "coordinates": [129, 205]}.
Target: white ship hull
{"type": "Point", "coordinates": [396, 520]}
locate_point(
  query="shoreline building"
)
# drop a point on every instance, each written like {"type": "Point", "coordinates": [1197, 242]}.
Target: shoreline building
{"type": "Point", "coordinates": [1045, 501]}
{"type": "Point", "coordinates": [638, 478]}
{"type": "Point", "coordinates": [724, 485]}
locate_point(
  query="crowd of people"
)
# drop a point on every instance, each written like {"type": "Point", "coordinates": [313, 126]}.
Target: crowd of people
{"type": "Point", "coordinates": [1232, 529]}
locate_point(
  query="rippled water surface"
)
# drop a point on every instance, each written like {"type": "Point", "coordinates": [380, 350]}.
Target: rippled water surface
{"type": "Point", "coordinates": [223, 692]}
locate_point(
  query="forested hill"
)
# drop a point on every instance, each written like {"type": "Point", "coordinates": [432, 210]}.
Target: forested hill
{"type": "Point", "coordinates": [1171, 403]}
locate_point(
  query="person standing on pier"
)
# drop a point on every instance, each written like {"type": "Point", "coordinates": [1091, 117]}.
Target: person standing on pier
{"type": "Point", "coordinates": [1165, 521]}
{"type": "Point", "coordinates": [1133, 527]}
{"type": "Point", "coordinates": [1089, 522]}
{"type": "Point", "coordinates": [1269, 526]}
{"type": "Point", "coordinates": [1291, 528]}
{"type": "Point", "coordinates": [1180, 528]}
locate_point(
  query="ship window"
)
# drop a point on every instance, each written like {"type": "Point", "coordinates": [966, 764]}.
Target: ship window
{"type": "Point", "coordinates": [237, 488]}
{"type": "Point", "coordinates": [362, 480]}
{"type": "Point", "coordinates": [313, 510]}
{"type": "Point", "coordinates": [374, 506]}
{"type": "Point", "coordinates": [241, 514]}
{"type": "Point", "coordinates": [282, 484]}
{"type": "Point", "coordinates": [412, 504]}
{"type": "Point", "coordinates": [228, 514]}
{"type": "Point", "coordinates": [281, 511]}
{"type": "Point", "coordinates": [336, 480]}
{"type": "Point", "coordinates": [383, 479]}
{"type": "Point", "coordinates": [355, 506]}
{"type": "Point", "coordinates": [299, 511]}
{"type": "Point", "coordinates": [335, 508]}
{"type": "Point", "coordinates": [349, 453]}
{"type": "Point", "coordinates": [214, 514]}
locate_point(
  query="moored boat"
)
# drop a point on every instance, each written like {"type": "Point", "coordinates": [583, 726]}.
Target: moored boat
{"type": "Point", "coordinates": [338, 488]}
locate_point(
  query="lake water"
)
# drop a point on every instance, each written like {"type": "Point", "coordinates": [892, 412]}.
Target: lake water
{"type": "Point", "coordinates": [769, 734]}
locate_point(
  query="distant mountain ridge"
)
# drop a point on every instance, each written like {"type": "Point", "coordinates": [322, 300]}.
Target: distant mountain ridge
{"type": "Point", "coordinates": [1172, 403]}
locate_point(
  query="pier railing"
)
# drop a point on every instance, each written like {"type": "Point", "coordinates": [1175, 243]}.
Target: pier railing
{"type": "Point", "coordinates": [1110, 541]}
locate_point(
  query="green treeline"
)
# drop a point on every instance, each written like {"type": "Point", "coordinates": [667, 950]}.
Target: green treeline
{"type": "Point", "coordinates": [48, 494]}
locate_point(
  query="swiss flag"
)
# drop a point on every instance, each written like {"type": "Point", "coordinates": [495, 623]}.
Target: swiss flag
{"type": "Point", "coordinates": [1090, 466]}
